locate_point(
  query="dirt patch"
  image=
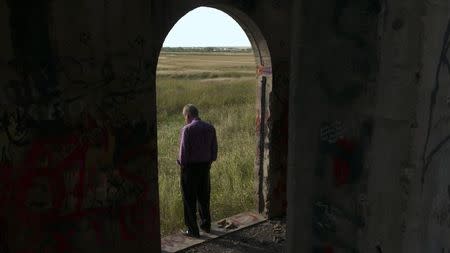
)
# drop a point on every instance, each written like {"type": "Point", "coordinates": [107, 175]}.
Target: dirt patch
{"type": "Point", "coordinates": [266, 237]}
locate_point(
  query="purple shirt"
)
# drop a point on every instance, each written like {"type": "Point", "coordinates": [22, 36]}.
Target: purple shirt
{"type": "Point", "coordinates": [198, 143]}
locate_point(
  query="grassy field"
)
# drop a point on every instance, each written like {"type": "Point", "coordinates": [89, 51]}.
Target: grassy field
{"type": "Point", "coordinates": [223, 87]}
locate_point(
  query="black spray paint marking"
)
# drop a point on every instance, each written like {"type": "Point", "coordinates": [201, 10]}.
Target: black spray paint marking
{"type": "Point", "coordinates": [443, 61]}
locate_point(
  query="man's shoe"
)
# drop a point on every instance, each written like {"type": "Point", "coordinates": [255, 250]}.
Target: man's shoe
{"type": "Point", "coordinates": [188, 233]}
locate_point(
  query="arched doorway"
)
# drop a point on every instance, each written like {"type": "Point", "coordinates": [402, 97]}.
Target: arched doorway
{"type": "Point", "coordinates": [263, 85]}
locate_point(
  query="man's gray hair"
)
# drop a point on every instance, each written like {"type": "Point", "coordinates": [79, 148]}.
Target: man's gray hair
{"type": "Point", "coordinates": [191, 110]}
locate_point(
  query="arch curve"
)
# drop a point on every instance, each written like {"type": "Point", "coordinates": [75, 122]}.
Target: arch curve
{"type": "Point", "coordinates": [264, 78]}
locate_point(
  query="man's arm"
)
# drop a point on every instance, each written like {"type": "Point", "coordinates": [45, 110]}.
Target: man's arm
{"type": "Point", "coordinates": [214, 145]}
{"type": "Point", "coordinates": [183, 152]}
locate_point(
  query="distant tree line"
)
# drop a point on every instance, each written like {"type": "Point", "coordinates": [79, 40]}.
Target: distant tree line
{"type": "Point", "coordinates": [208, 49]}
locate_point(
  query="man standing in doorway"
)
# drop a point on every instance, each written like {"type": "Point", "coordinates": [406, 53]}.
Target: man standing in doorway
{"type": "Point", "coordinates": [198, 149]}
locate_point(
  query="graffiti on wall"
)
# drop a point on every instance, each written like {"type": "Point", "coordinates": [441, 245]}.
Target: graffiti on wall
{"type": "Point", "coordinates": [72, 160]}
{"type": "Point", "coordinates": [345, 156]}
{"type": "Point", "coordinates": [77, 177]}
{"type": "Point", "coordinates": [443, 67]}
{"type": "Point", "coordinates": [326, 218]}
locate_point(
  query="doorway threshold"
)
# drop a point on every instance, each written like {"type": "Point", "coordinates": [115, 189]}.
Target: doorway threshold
{"type": "Point", "coordinates": [178, 242]}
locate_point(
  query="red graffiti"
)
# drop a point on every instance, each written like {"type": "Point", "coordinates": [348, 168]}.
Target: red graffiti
{"type": "Point", "coordinates": [41, 163]}
{"type": "Point", "coordinates": [341, 165]}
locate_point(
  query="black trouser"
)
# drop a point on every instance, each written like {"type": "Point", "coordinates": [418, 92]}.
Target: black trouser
{"type": "Point", "coordinates": [196, 186]}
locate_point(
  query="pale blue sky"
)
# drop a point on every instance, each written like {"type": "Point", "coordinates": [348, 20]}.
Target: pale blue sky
{"type": "Point", "coordinates": [206, 27]}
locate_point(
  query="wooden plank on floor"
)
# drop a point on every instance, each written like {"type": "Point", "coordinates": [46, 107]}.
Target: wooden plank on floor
{"type": "Point", "coordinates": [178, 242]}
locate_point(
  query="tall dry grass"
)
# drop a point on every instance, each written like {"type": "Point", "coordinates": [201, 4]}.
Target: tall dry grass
{"type": "Point", "coordinates": [230, 106]}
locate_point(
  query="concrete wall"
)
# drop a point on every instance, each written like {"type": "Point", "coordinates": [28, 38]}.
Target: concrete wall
{"type": "Point", "coordinates": [395, 114]}
{"type": "Point", "coordinates": [78, 127]}
{"type": "Point", "coordinates": [428, 215]}
{"type": "Point", "coordinates": [332, 96]}
{"type": "Point", "coordinates": [408, 179]}
{"type": "Point", "coordinates": [400, 202]}
{"type": "Point", "coordinates": [78, 119]}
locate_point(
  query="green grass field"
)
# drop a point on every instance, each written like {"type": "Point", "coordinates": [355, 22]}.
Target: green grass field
{"type": "Point", "coordinates": [223, 87]}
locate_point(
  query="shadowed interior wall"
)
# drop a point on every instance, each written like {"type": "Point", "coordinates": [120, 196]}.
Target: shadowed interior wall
{"type": "Point", "coordinates": [393, 127]}
{"type": "Point", "coordinates": [426, 180]}
{"type": "Point", "coordinates": [332, 94]}
{"type": "Point", "coordinates": [78, 127]}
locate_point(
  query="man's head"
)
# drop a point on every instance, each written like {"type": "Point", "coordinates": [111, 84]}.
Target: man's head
{"type": "Point", "coordinates": [190, 112]}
